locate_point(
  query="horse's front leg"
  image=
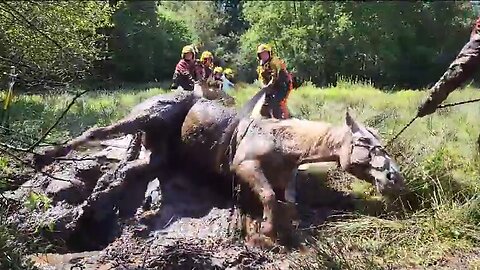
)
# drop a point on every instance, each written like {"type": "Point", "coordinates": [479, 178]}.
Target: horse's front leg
{"type": "Point", "coordinates": [250, 172]}
{"type": "Point", "coordinates": [290, 192]}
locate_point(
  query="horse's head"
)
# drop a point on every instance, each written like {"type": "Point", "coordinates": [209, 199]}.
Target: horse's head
{"type": "Point", "coordinates": [369, 161]}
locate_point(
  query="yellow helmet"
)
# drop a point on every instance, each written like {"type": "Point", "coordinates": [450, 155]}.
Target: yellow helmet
{"type": "Point", "coordinates": [188, 49]}
{"type": "Point", "coordinates": [205, 55]}
{"type": "Point", "coordinates": [264, 47]}
{"type": "Point", "coordinates": [218, 70]}
{"type": "Point", "coordinates": [228, 71]}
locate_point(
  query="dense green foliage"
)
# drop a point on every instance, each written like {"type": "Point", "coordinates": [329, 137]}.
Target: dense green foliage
{"type": "Point", "coordinates": [51, 42]}
{"type": "Point", "coordinates": [146, 42]}
{"type": "Point", "coordinates": [393, 44]}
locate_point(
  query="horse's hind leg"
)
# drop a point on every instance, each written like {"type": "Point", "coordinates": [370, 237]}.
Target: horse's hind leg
{"type": "Point", "coordinates": [125, 126]}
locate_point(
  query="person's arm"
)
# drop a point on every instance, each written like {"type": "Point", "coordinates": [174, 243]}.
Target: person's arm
{"type": "Point", "coordinates": [459, 71]}
{"type": "Point", "coordinates": [201, 73]}
{"type": "Point", "coordinates": [269, 85]}
{"type": "Point", "coordinates": [183, 76]}
{"type": "Point", "coordinates": [281, 77]}
{"type": "Point", "coordinates": [260, 76]}
{"type": "Point", "coordinates": [182, 68]}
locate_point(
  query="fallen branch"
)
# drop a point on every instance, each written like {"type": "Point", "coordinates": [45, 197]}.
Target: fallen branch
{"type": "Point", "coordinates": [16, 148]}
{"type": "Point", "coordinates": [19, 139]}
{"type": "Point", "coordinates": [75, 159]}
{"type": "Point", "coordinates": [33, 167]}
{"type": "Point", "coordinates": [13, 182]}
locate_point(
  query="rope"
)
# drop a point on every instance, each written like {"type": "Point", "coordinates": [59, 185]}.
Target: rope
{"type": "Point", "coordinates": [442, 106]}
{"type": "Point", "coordinates": [401, 131]}
{"type": "Point", "coordinates": [458, 103]}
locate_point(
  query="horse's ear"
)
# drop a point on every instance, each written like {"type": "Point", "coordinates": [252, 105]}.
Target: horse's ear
{"type": "Point", "coordinates": [348, 118]}
{"type": "Point", "coordinates": [351, 122]}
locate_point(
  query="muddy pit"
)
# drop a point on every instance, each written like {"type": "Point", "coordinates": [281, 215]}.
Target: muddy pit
{"type": "Point", "coordinates": [175, 221]}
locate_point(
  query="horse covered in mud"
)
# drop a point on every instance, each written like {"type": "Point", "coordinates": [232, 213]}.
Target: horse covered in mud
{"type": "Point", "coordinates": [185, 131]}
{"type": "Point", "coordinates": [267, 153]}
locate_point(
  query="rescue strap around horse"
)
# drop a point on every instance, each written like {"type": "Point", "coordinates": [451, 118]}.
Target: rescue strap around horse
{"type": "Point", "coordinates": [442, 106]}
{"type": "Point", "coordinates": [232, 148]}
{"type": "Point", "coordinates": [234, 142]}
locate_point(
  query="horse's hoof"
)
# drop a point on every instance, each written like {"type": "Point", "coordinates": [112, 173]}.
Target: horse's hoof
{"type": "Point", "coordinates": [304, 250]}
{"type": "Point", "coordinates": [260, 241]}
{"type": "Point", "coordinates": [267, 229]}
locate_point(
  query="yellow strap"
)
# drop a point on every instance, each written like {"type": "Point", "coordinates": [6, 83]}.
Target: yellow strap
{"type": "Point", "coordinates": [8, 99]}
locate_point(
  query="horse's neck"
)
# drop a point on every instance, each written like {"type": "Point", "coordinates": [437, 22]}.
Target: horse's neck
{"type": "Point", "coordinates": [327, 143]}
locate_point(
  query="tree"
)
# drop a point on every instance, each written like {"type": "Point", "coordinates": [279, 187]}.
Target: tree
{"type": "Point", "coordinates": [216, 26]}
{"type": "Point", "coordinates": [51, 42]}
{"type": "Point", "coordinates": [398, 44]}
{"type": "Point", "coordinates": [147, 41]}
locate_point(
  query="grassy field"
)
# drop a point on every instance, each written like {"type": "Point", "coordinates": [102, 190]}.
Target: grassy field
{"type": "Point", "coordinates": [438, 154]}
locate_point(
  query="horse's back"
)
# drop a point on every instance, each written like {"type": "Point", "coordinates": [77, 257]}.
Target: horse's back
{"type": "Point", "coordinates": [174, 100]}
{"type": "Point", "coordinates": [202, 133]}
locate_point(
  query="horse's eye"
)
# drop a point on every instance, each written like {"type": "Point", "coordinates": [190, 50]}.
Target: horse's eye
{"type": "Point", "coordinates": [364, 139]}
{"type": "Point", "coordinates": [376, 152]}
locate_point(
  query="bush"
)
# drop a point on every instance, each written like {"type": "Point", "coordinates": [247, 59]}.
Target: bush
{"type": "Point", "coordinates": [12, 253]}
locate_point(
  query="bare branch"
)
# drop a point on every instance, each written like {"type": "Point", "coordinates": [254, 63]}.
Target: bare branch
{"type": "Point", "coordinates": [25, 138]}
{"type": "Point", "coordinates": [75, 159]}
{"type": "Point", "coordinates": [12, 10]}
{"type": "Point", "coordinates": [78, 95]}
{"type": "Point", "coordinates": [33, 167]}
{"type": "Point", "coordinates": [15, 148]}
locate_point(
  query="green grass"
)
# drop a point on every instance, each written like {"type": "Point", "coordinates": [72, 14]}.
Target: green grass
{"type": "Point", "coordinates": [438, 155]}
{"type": "Point", "coordinates": [32, 115]}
